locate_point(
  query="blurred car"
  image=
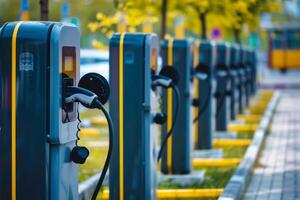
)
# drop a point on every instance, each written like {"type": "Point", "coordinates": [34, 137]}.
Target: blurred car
{"type": "Point", "coordinates": [93, 60]}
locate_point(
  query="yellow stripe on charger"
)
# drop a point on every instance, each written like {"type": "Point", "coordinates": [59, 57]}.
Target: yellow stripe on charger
{"type": "Point", "coordinates": [169, 110]}
{"type": "Point", "coordinates": [121, 111]}
{"type": "Point", "coordinates": [14, 112]}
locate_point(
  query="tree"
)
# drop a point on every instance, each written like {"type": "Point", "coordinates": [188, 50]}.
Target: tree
{"type": "Point", "coordinates": [201, 7]}
{"type": "Point", "coordinates": [200, 15]}
{"type": "Point", "coordinates": [229, 15]}
{"type": "Point", "coordinates": [44, 10]}
{"type": "Point", "coordinates": [248, 12]}
{"type": "Point", "coordinates": [164, 11]}
{"type": "Point", "coordinates": [133, 13]}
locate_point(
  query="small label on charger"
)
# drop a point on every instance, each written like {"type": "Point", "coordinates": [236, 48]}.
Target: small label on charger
{"type": "Point", "coordinates": [129, 57]}
{"type": "Point", "coordinates": [26, 61]}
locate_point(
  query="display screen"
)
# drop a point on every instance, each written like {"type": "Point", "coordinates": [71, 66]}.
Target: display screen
{"type": "Point", "coordinates": [154, 59]}
{"type": "Point", "coordinates": [69, 61]}
{"type": "Point", "coordinates": [68, 64]}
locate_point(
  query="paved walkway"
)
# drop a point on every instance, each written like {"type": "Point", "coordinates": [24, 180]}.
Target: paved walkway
{"type": "Point", "coordinates": [277, 173]}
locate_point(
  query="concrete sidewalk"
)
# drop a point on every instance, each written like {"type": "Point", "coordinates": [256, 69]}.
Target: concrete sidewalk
{"type": "Point", "coordinates": [277, 173]}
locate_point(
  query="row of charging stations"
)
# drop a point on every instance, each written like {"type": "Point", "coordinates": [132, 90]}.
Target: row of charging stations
{"type": "Point", "coordinates": [41, 92]}
{"type": "Point", "coordinates": [217, 70]}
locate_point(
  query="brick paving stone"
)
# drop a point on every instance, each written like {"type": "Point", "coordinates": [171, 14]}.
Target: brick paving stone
{"type": "Point", "coordinates": [277, 173]}
{"type": "Point", "coordinates": [254, 185]}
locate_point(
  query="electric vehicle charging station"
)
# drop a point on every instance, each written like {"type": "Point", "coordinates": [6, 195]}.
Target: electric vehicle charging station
{"type": "Point", "coordinates": [250, 73]}
{"type": "Point", "coordinates": [253, 63]}
{"type": "Point", "coordinates": [234, 54]}
{"type": "Point", "coordinates": [251, 70]}
{"type": "Point", "coordinates": [133, 168]}
{"type": "Point", "coordinates": [222, 77]}
{"type": "Point", "coordinates": [241, 81]}
{"type": "Point", "coordinates": [204, 61]}
{"type": "Point", "coordinates": [176, 157]}
{"type": "Point", "coordinates": [39, 68]}
{"type": "Point", "coordinates": [247, 75]}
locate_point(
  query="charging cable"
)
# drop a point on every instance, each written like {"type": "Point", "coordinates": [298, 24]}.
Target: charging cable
{"type": "Point", "coordinates": [204, 105]}
{"type": "Point", "coordinates": [167, 136]}
{"type": "Point", "coordinates": [91, 100]}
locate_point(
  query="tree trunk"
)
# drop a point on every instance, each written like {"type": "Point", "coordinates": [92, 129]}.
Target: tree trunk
{"type": "Point", "coordinates": [116, 3]}
{"type": "Point", "coordinates": [163, 18]}
{"type": "Point", "coordinates": [203, 27]}
{"type": "Point", "coordinates": [237, 36]}
{"type": "Point", "coordinates": [44, 8]}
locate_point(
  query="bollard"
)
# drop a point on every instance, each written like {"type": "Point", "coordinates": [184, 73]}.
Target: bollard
{"type": "Point", "coordinates": [204, 60]}
{"type": "Point", "coordinates": [133, 168]}
{"type": "Point", "coordinates": [176, 158]}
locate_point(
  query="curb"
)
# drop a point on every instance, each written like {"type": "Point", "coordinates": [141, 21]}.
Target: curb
{"type": "Point", "coordinates": [238, 182]}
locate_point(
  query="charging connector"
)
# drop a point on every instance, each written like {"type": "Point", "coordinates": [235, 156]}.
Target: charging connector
{"type": "Point", "coordinates": [202, 73]}
{"type": "Point", "coordinates": [81, 95]}
{"type": "Point", "coordinates": [168, 78]}
{"type": "Point", "coordinates": [162, 81]}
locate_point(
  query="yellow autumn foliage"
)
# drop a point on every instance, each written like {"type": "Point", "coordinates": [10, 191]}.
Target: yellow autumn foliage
{"type": "Point", "coordinates": [227, 15]}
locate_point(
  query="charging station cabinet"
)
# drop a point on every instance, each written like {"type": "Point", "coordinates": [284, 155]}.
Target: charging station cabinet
{"type": "Point", "coordinates": [133, 167]}
{"type": "Point", "coordinates": [241, 81]}
{"type": "Point", "coordinates": [203, 60]}
{"type": "Point", "coordinates": [250, 57]}
{"type": "Point", "coordinates": [252, 63]}
{"type": "Point", "coordinates": [222, 78]}
{"type": "Point", "coordinates": [250, 73]}
{"type": "Point", "coordinates": [247, 75]}
{"type": "Point", "coordinates": [176, 158]}
{"type": "Point", "coordinates": [37, 134]}
{"type": "Point", "coordinates": [234, 62]}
